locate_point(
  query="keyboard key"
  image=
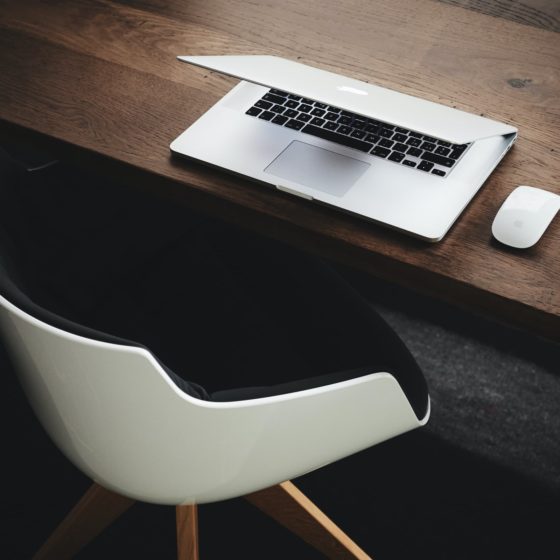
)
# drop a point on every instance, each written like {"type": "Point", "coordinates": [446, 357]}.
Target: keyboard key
{"type": "Point", "coordinates": [380, 152]}
{"type": "Point", "coordinates": [304, 108]}
{"type": "Point", "coordinates": [385, 143]}
{"type": "Point", "coordinates": [331, 116]}
{"type": "Point", "coordinates": [318, 121]}
{"type": "Point", "coordinates": [414, 142]}
{"type": "Point", "coordinates": [402, 148]}
{"type": "Point", "coordinates": [290, 113]}
{"type": "Point", "coordinates": [414, 152]}
{"type": "Point", "coordinates": [329, 125]}
{"type": "Point", "coordinates": [414, 134]}
{"type": "Point", "coordinates": [295, 125]}
{"type": "Point", "coordinates": [317, 112]}
{"type": "Point", "coordinates": [344, 130]}
{"type": "Point", "coordinates": [409, 163]}
{"type": "Point", "coordinates": [304, 117]}
{"type": "Point", "coordinates": [266, 115]}
{"type": "Point", "coordinates": [425, 166]}
{"type": "Point", "coordinates": [438, 172]}
{"type": "Point", "coordinates": [440, 160]}
{"type": "Point", "coordinates": [333, 109]}
{"type": "Point", "coordinates": [273, 98]}
{"type": "Point", "coordinates": [278, 109]}
{"type": "Point", "coordinates": [401, 130]}
{"type": "Point", "coordinates": [338, 138]}
{"type": "Point", "coordinates": [294, 97]}
{"type": "Point", "coordinates": [444, 144]}
{"type": "Point", "coordinates": [430, 139]}
{"type": "Point", "coordinates": [279, 92]}
{"type": "Point", "coordinates": [344, 119]}
{"type": "Point", "coordinates": [428, 146]}
{"type": "Point", "coordinates": [279, 119]}
{"type": "Point", "coordinates": [373, 128]}
{"type": "Point", "coordinates": [307, 101]}
{"type": "Point", "coordinates": [442, 151]}
{"type": "Point", "coordinates": [320, 105]}
{"type": "Point", "coordinates": [348, 114]}
{"type": "Point", "coordinates": [263, 104]}
{"type": "Point", "coordinates": [372, 138]}
{"type": "Point", "coordinates": [291, 104]}
{"type": "Point", "coordinates": [396, 156]}
{"type": "Point", "coordinates": [399, 137]}
{"type": "Point", "coordinates": [386, 132]}
{"type": "Point", "coordinates": [358, 134]}
{"type": "Point", "coordinates": [457, 152]}
{"type": "Point", "coordinates": [358, 124]}
{"type": "Point", "coordinates": [253, 111]}
{"type": "Point", "coordinates": [389, 126]}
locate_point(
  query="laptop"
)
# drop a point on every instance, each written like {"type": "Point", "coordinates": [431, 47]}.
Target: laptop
{"type": "Point", "coordinates": [397, 160]}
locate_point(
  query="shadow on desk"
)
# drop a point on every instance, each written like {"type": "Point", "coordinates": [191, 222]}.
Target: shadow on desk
{"type": "Point", "coordinates": [413, 497]}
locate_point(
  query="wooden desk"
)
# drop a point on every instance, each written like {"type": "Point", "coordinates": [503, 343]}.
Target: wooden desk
{"type": "Point", "coordinates": [100, 81]}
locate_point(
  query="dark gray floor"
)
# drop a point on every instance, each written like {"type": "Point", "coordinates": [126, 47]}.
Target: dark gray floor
{"type": "Point", "coordinates": [500, 404]}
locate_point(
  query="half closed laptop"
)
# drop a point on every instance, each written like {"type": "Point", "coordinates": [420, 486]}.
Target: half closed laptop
{"type": "Point", "coordinates": [400, 161]}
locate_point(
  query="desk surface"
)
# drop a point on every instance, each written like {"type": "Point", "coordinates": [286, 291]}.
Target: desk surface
{"type": "Point", "coordinates": [100, 80]}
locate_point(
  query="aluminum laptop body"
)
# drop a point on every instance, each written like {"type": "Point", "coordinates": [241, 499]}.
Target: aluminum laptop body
{"type": "Point", "coordinates": [394, 164]}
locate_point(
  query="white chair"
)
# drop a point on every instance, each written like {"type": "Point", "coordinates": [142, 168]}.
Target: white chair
{"type": "Point", "coordinates": [118, 416]}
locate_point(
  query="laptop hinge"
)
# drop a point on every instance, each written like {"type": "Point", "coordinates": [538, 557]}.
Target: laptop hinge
{"type": "Point", "coordinates": [294, 192]}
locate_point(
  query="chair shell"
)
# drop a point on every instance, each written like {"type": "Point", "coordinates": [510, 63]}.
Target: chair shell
{"type": "Point", "coordinates": [116, 414]}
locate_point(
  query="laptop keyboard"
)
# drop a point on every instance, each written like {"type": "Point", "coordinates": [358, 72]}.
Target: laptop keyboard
{"type": "Point", "coordinates": [383, 140]}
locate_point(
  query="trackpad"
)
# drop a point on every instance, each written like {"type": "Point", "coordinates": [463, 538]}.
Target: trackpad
{"type": "Point", "coordinates": [317, 168]}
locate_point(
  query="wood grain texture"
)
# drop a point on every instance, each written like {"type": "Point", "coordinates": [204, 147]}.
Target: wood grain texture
{"type": "Point", "coordinates": [96, 510]}
{"type": "Point", "coordinates": [292, 509]}
{"type": "Point", "coordinates": [544, 14]}
{"type": "Point", "coordinates": [187, 532]}
{"type": "Point", "coordinates": [99, 80]}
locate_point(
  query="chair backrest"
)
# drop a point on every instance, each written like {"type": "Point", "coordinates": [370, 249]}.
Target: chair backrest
{"type": "Point", "coordinates": [116, 414]}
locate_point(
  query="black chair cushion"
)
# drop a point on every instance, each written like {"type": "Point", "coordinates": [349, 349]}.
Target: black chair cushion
{"type": "Point", "coordinates": [292, 386]}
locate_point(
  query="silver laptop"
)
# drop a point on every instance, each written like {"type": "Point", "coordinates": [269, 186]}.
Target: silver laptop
{"type": "Point", "coordinates": [397, 160]}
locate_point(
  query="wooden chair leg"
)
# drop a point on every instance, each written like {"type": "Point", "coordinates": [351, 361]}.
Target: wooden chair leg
{"type": "Point", "coordinates": [292, 509]}
{"type": "Point", "coordinates": [187, 532]}
{"type": "Point", "coordinates": [96, 510]}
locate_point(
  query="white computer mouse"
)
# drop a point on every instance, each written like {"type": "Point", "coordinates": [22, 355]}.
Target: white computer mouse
{"type": "Point", "coordinates": [524, 216]}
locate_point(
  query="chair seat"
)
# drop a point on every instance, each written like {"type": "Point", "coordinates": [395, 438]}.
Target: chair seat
{"type": "Point", "coordinates": [189, 364]}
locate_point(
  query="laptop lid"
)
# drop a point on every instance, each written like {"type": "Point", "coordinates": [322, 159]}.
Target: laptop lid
{"type": "Point", "coordinates": [432, 119]}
